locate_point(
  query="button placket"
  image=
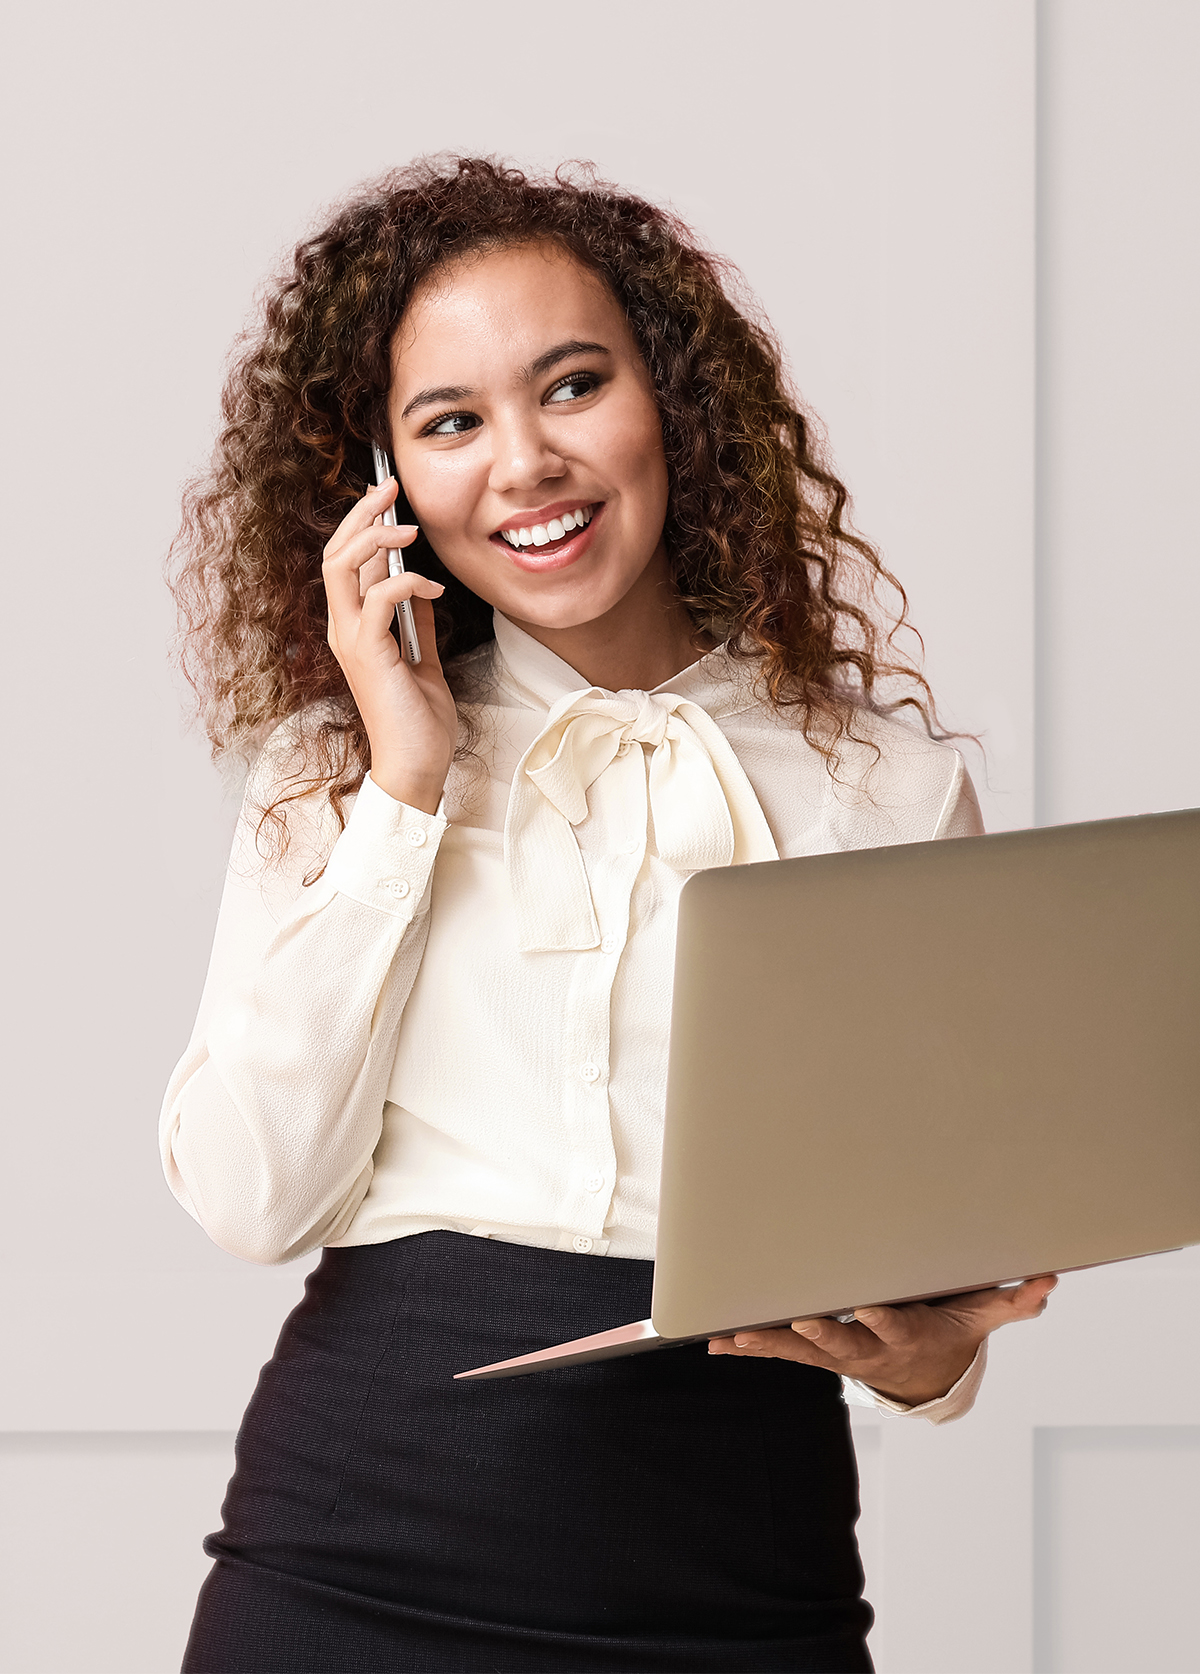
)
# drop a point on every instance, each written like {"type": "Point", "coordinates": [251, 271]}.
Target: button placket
{"type": "Point", "coordinates": [612, 861]}
{"type": "Point", "coordinates": [584, 1071]}
{"type": "Point", "coordinates": [586, 1106]}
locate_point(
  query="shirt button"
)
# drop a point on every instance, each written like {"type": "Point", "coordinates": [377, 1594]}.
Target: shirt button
{"type": "Point", "coordinates": [608, 944]}
{"type": "Point", "coordinates": [583, 1245]}
{"type": "Point", "coordinates": [589, 1072]}
{"type": "Point", "coordinates": [416, 837]}
{"type": "Point", "coordinates": [629, 848]}
{"type": "Point", "coordinates": [397, 887]}
{"type": "Point", "coordinates": [594, 1181]}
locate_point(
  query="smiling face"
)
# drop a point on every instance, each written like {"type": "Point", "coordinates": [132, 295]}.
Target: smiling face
{"type": "Point", "coordinates": [527, 437]}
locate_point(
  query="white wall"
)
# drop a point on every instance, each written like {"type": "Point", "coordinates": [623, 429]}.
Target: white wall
{"type": "Point", "coordinates": [1116, 1470]}
{"type": "Point", "coordinates": [1118, 415]}
{"type": "Point", "coordinates": [879, 170]}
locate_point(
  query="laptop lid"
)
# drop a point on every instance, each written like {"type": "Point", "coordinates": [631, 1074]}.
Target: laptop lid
{"type": "Point", "coordinates": [908, 1071]}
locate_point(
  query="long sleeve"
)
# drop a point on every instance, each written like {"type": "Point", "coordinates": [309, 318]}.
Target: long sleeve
{"type": "Point", "coordinates": [953, 1404]}
{"type": "Point", "coordinates": [272, 1114]}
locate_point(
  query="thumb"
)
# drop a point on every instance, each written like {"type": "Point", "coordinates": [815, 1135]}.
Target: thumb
{"type": "Point", "coordinates": [987, 1310]}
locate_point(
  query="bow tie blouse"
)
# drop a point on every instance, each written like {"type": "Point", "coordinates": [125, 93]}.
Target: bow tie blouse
{"type": "Point", "coordinates": [462, 1023]}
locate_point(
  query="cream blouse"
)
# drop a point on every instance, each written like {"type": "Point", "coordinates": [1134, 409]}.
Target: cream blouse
{"type": "Point", "coordinates": [463, 1022]}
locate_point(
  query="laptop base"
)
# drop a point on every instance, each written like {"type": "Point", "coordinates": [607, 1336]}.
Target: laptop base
{"type": "Point", "coordinates": [604, 1345]}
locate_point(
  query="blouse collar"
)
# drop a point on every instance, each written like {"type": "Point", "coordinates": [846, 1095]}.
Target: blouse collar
{"type": "Point", "coordinates": [686, 782]}
{"type": "Point", "coordinates": [538, 677]}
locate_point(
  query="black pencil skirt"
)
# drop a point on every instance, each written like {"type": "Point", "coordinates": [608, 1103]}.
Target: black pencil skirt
{"type": "Point", "coordinates": [671, 1510]}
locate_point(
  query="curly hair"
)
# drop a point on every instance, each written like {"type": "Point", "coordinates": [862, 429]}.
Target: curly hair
{"type": "Point", "coordinates": [756, 531]}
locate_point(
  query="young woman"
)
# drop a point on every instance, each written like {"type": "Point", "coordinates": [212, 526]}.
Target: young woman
{"type": "Point", "coordinates": [433, 1037]}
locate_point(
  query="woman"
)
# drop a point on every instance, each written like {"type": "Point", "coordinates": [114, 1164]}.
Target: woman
{"type": "Point", "coordinates": [434, 1031]}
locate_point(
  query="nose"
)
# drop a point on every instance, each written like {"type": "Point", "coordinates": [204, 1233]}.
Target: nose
{"type": "Point", "coordinates": [522, 454]}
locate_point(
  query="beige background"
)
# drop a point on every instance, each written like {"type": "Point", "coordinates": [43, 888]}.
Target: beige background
{"type": "Point", "coordinates": [973, 224]}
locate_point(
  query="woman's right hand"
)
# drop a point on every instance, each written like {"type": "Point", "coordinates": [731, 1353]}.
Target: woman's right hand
{"type": "Point", "coordinates": [409, 713]}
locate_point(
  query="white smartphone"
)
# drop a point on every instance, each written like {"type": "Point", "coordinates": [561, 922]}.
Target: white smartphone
{"type": "Point", "coordinates": [409, 643]}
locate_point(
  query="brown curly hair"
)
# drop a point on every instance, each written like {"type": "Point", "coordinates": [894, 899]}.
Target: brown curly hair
{"type": "Point", "coordinates": [756, 528]}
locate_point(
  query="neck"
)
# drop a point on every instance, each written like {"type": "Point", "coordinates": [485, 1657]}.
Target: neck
{"type": "Point", "coordinates": [639, 644]}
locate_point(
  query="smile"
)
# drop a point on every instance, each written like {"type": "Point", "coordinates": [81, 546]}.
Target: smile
{"type": "Point", "coordinates": [545, 534]}
{"type": "Point", "coordinates": [551, 545]}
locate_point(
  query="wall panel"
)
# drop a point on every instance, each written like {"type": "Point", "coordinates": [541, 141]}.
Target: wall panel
{"type": "Point", "coordinates": [1119, 424]}
{"type": "Point", "coordinates": [1117, 1549]}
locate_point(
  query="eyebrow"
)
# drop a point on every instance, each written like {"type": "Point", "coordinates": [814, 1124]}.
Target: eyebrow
{"type": "Point", "coordinates": [435, 397]}
{"type": "Point", "coordinates": [564, 351]}
{"type": "Point", "coordinates": [536, 369]}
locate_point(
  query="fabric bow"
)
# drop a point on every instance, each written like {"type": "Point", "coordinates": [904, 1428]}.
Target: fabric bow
{"type": "Point", "coordinates": [704, 809]}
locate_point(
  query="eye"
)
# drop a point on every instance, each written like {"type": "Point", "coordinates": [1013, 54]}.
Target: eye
{"type": "Point", "coordinates": [574, 387]}
{"type": "Point", "coordinates": [452, 424]}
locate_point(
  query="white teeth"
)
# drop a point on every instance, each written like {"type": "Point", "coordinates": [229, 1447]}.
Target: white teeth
{"type": "Point", "coordinates": [542, 534]}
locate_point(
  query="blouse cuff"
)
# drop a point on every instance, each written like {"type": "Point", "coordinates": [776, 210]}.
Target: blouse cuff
{"type": "Point", "coordinates": [385, 856]}
{"type": "Point", "coordinates": [953, 1404]}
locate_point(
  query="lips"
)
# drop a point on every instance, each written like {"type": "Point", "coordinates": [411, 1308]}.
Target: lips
{"type": "Point", "coordinates": [553, 530]}
{"type": "Point", "coordinates": [552, 544]}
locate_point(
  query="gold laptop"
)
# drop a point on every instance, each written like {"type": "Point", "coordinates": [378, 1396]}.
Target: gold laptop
{"type": "Point", "coordinates": [908, 1072]}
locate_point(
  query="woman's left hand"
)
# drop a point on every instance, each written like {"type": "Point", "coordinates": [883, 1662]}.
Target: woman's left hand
{"type": "Point", "coordinates": [912, 1354]}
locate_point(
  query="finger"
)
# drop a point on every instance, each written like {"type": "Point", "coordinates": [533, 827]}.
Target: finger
{"type": "Point", "coordinates": [774, 1344]}
{"type": "Point", "coordinates": [1029, 1299]}
{"type": "Point", "coordinates": [779, 1343]}
{"type": "Point", "coordinates": [375, 569]}
{"type": "Point", "coordinates": [895, 1327]}
{"type": "Point", "coordinates": [428, 672]}
{"type": "Point", "coordinates": [835, 1338]}
{"type": "Point", "coordinates": [430, 666]}
{"type": "Point", "coordinates": [366, 544]}
{"type": "Point", "coordinates": [986, 1310]}
{"type": "Point", "coordinates": [340, 570]}
{"type": "Point", "coordinates": [363, 512]}
{"type": "Point", "coordinates": [380, 601]}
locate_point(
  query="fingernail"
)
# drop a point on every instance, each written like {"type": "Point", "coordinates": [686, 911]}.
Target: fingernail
{"type": "Point", "coordinates": [740, 1342]}
{"type": "Point", "coordinates": [805, 1328]}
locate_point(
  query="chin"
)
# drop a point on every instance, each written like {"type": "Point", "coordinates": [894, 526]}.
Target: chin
{"type": "Point", "coordinates": [560, 616]}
